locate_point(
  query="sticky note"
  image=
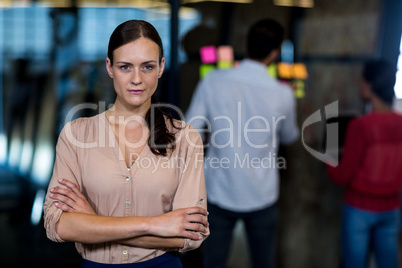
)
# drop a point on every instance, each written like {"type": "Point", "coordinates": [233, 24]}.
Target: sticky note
{"type": "Point", "coordinates": [225, 53]}
{"type": "Point", "coordinates": [224, 64]}
{"type": "Point", "coordinates": [285, 70]}
{"type": "Point", "coordinates": [299, 89]}
{"type": "Point", "coordinates": [299, 93]}
{"type": "Point", "coordinates": [272, 70]}
{"type": "Point", "coordinates": [208, 54]}
{"type": "Point", "coordinates": [299, 71]}
{"type": "Point", "coordinates": [205, 69]}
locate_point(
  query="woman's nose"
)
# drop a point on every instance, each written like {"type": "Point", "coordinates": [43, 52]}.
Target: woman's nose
{"type": "Point", "coordinates": [136, 77]}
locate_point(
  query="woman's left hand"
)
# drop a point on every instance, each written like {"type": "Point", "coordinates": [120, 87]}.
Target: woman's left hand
{"type": "Point", "coordinates": [70, 199]}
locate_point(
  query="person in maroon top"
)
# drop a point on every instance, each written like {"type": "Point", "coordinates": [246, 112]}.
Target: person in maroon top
{"type": "Point", "coordinates": [371, 172]}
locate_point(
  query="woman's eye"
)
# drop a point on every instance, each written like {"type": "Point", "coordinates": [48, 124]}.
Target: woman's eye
{"type": "Point", "coordinates": [148, 67]}
{"type": "Point", "coordinates": [124, 67]}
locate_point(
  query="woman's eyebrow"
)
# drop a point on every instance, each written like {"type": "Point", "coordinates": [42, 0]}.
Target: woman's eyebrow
{"type": "Point", "coordinates": [124, 62]}
{"type": "Point", "coordinates": [149, 61]}
{"type": "Point", "coordinates": [129, 63]}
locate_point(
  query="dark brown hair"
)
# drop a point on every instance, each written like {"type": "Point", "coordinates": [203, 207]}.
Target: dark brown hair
{"type": "Point", "coordinates": [130, 31]}
{"type": "Point", "coordinates": [381, 75]}
{"type": "Point", "coordinates": [161, 140]}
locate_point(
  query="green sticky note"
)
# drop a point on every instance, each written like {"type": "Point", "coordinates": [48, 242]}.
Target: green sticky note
{"type": "Point", "coordinates": [225, 64]}
{"type": "Point", "coordinates": [299, 92]}
{"type": "Point", "coordinates": [272, 70]}
{"type": "Point", "coordinates": [205, 69]}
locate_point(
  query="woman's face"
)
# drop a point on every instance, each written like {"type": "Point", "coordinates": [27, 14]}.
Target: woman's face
{"type": "Point", "coordinates": [135, 72]}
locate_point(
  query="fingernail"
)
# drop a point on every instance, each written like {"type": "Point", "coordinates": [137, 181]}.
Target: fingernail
{"type": "Point", "coordinates": [51, 195]}
{"type": "Point", "coordinates": [60, 180]}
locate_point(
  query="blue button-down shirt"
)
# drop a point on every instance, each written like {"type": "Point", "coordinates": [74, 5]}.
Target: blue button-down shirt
{"type": "Point", "coordinates": [246, 114]}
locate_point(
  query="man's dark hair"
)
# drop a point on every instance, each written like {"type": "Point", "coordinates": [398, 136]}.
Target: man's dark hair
{"type": "Point", "coordinates": [381, 75]}
{"type": "Point", "coordinates": [263, 37]}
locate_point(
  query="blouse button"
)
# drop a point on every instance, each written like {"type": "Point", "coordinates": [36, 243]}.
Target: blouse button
{"type": "Point", "coordinates": [127, 178]}
{"type": "Point", "coordinates": [128, 204]}
{"type": "Point", "coordinates": [125, 252]}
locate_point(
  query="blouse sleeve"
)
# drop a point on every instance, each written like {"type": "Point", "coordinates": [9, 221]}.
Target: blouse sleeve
{"type": "Point", "coordinates": [65, 167]}
{"type": "Point", "coordinates": [352, 157]}
{"type": "Point", "coordinates": [191, 189]}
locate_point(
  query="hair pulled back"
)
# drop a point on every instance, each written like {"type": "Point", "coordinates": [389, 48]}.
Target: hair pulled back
{"type": "Point", "coordinates": [130, 31]}
{"type": "Point", "coordinates": [161, 140]}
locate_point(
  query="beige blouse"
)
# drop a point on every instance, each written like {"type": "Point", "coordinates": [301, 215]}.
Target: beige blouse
{"type": "Point", "coordinates": [87, 153]}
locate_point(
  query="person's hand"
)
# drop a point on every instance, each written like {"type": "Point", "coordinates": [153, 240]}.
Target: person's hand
{"type": "Point", "coordinates": [70, 199]}
{"type": "Point", "coordinates": [182, 222]}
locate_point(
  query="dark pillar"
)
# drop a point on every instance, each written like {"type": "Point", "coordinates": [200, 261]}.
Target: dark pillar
{"type": "Point", "coordinates": [389, 38]}
{"type": "Point", "coordinates": [173, 76]}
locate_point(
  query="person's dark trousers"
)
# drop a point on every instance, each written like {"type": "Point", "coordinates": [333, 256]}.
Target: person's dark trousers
{"type": "Point", "coordinates": [260, 227]}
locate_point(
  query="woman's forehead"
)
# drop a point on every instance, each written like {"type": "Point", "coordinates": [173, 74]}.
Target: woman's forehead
{"type": "Point", "coordinates": [142, 49]}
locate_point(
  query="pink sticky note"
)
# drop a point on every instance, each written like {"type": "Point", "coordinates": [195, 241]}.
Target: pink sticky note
{"type": "Point", "coordinates": [225, 53]}
{"type": "Point", "coordinates": [208, 54]}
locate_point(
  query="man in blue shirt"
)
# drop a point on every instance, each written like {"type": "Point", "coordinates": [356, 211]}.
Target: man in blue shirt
{"type": "Point", "coordinates": [247, 114]}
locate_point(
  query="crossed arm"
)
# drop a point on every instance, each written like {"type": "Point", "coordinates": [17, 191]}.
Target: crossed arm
{"type": "Point", "coordinates": [79, 223]}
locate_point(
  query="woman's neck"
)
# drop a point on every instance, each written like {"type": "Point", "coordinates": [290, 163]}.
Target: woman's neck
{"type": "Point", "coordinates": [379, 106]}
{"type": "Point", "coordinates": [119, 110]}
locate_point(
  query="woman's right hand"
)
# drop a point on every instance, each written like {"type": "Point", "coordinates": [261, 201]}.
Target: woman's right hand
{"type": "Point", "coordinates": [184, 222]}
{"type": "Point", "coordinates": [70, 199]}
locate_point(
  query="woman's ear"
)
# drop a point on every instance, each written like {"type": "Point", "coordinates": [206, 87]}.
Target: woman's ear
{"type": "Point", "coordinates": [161, 67]}
{"type": "Point", "coordinates": [109, 67]}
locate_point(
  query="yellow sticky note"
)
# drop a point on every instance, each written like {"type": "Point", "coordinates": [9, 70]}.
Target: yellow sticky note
{"type": "Point", "coordinates": [285, 70]}
{"type": "Point", "coordinates": [299, 71]}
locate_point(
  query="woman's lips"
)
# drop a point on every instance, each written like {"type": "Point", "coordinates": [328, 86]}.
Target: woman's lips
{"type": "Point", "coordinates": [136, 91]}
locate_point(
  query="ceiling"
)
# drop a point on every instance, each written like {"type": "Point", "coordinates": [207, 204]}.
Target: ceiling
{"type": "Point", "coordinates": [104, 3]}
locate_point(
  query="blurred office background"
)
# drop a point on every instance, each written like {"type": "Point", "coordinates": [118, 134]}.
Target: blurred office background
{"type": "Point", "coordinates": [52, 70]}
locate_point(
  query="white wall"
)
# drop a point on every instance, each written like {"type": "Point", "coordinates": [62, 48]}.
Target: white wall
{"type": "Point", "coordinates": [398, 105]}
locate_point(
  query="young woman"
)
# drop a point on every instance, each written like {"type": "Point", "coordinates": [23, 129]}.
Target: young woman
{"type": "Point", "coordinates": [128, 184]}
{"type": "Point", "coordinates": [370, 170]}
